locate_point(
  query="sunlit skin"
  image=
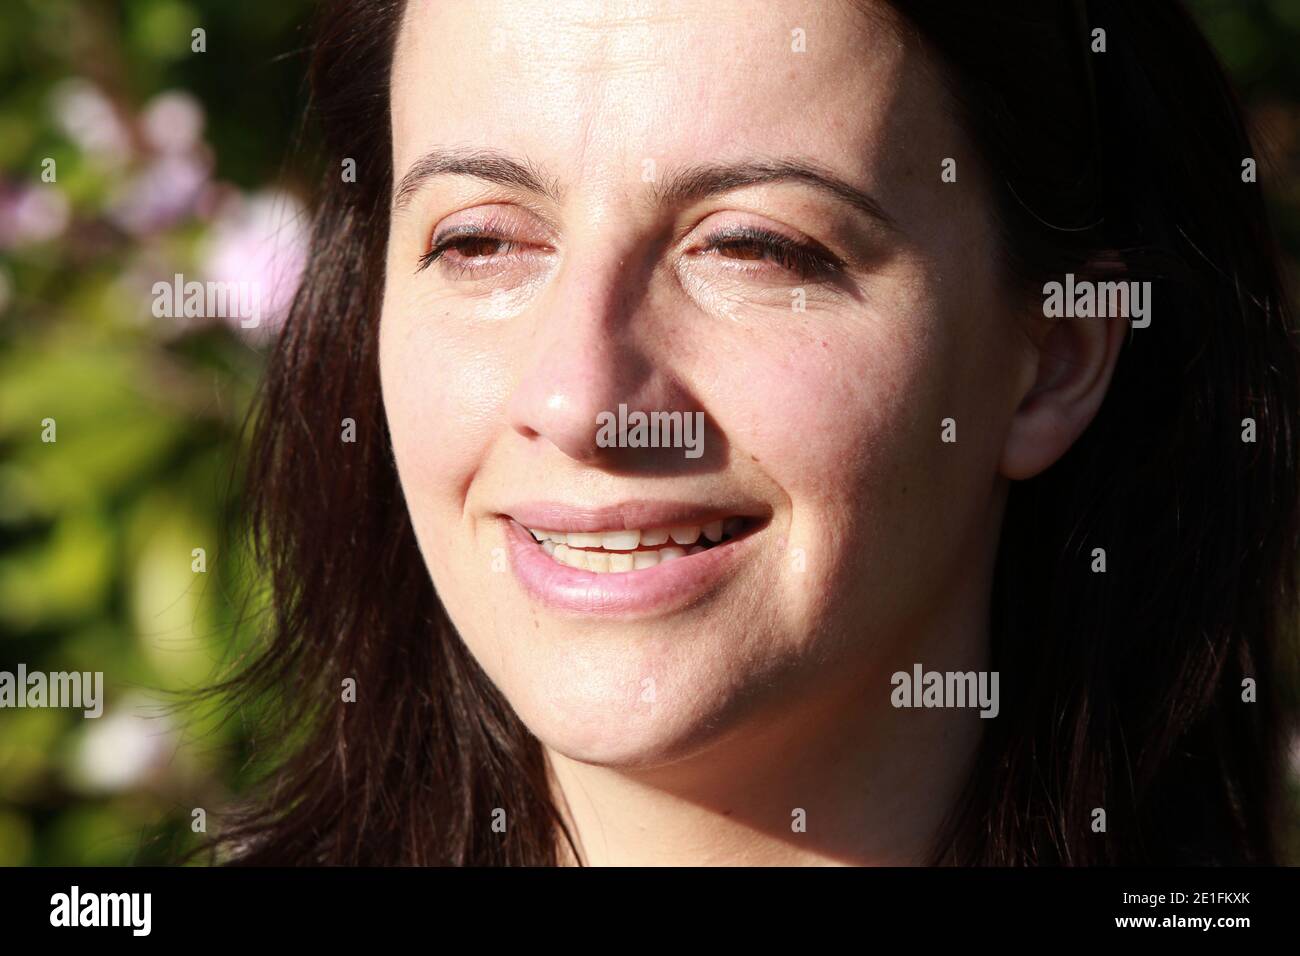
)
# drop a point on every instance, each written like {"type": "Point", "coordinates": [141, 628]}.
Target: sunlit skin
{"type": "Point", "coordinates": [696, 729]}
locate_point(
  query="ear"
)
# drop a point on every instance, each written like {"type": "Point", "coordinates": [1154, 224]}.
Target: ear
{"type": "Point", "coordinates": [1073, 361]}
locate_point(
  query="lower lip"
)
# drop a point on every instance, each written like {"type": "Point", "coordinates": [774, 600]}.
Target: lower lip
{"type": "Point", "coordinates": [664, 588]}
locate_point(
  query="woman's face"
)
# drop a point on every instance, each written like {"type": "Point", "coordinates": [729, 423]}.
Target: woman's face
{"type": "Point", "coordinates": [691, 208]}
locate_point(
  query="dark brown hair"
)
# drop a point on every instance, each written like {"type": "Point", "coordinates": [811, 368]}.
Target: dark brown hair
{"type": "Point", "coordinates": [1121, 690]}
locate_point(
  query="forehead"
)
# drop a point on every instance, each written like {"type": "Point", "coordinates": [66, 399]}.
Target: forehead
{"type": "Point", "coordinates": [592, 90]}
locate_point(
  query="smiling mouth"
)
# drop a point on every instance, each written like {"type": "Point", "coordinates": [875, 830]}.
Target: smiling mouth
{"type": "Point", "coordinates": [632, 549]}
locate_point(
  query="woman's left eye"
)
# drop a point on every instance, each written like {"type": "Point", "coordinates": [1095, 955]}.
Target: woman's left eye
{"type": "Point", "coordinates": [748, 243]}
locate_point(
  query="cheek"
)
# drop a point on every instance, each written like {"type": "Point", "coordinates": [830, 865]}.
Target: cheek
{"type": "Point", "coordinates": [834, 402]}
{"type": "Point", "coordinates": [843, 414]}
{"type": "Point", "coordinates": [441, 398]}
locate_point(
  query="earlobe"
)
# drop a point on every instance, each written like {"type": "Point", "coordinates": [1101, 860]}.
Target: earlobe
{"type": "Point", "coordinates": [1073, 361]}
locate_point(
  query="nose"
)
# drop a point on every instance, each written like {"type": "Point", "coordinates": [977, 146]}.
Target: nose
{"type": "Point", "coordinates": [588, 355]}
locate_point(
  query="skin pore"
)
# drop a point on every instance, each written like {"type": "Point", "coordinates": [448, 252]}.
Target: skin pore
{"type": "Point", "coordinates": [574, 149]}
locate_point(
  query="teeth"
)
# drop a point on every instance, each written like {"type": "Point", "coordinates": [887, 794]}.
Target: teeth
{"type": "Point", "coordinates": [617, 552]}
{"type": "Point", "coordinates": [620, 540]}
{"type": "Point", "coordinates": [573, 557]}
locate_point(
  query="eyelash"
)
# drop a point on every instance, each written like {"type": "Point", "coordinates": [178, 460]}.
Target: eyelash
{"type": "Point", "coordinates": [457, 236]}
{"type": "Point", "coordinates": [805, 261]}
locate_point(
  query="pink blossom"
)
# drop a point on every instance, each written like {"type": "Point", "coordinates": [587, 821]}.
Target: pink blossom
{"type": "Point", "coordinates": [87, 117]}
{"type": "Point", "coordinates": [262, 240]}
{"type": "Point", "coordinates": [31, 213]}
{"type": "Point", "coordinates": [172, 122]}
{"type": "Point", "coordinates": [166, 191]}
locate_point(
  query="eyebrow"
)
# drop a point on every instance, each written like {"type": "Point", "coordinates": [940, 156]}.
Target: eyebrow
{"type": "Point", "coordinates": [694, 182]}
{"type": "Point", "coordinates": [709, 179]}
{"type": "Point", "coordinates": [486, 164]}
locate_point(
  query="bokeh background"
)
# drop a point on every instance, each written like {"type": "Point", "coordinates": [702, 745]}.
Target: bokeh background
{"type": "Point", "coordinates": [172, 161]}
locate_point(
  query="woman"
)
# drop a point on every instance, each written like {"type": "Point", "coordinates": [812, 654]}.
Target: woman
{"type": "Point", "coordinates": [962, 564]}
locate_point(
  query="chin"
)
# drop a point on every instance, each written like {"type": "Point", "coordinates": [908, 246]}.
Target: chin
{"type": "Point", "coordinates": [607, 718]}
{"type": "Point", "coordinates": [613, 716]}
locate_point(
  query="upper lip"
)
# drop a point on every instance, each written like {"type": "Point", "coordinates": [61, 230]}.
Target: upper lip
{"type": "Point", "coordinates": [640, 514]}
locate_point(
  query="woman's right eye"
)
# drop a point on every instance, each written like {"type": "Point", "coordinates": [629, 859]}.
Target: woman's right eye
{"type": "Point", "coordinates": [465, 251]}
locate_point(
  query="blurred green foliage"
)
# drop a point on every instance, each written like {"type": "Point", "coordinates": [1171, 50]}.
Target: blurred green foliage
{"type": "Point", "coordinates": [159, 155]}
{"type": "Point", "coordinates": [167, 161]}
